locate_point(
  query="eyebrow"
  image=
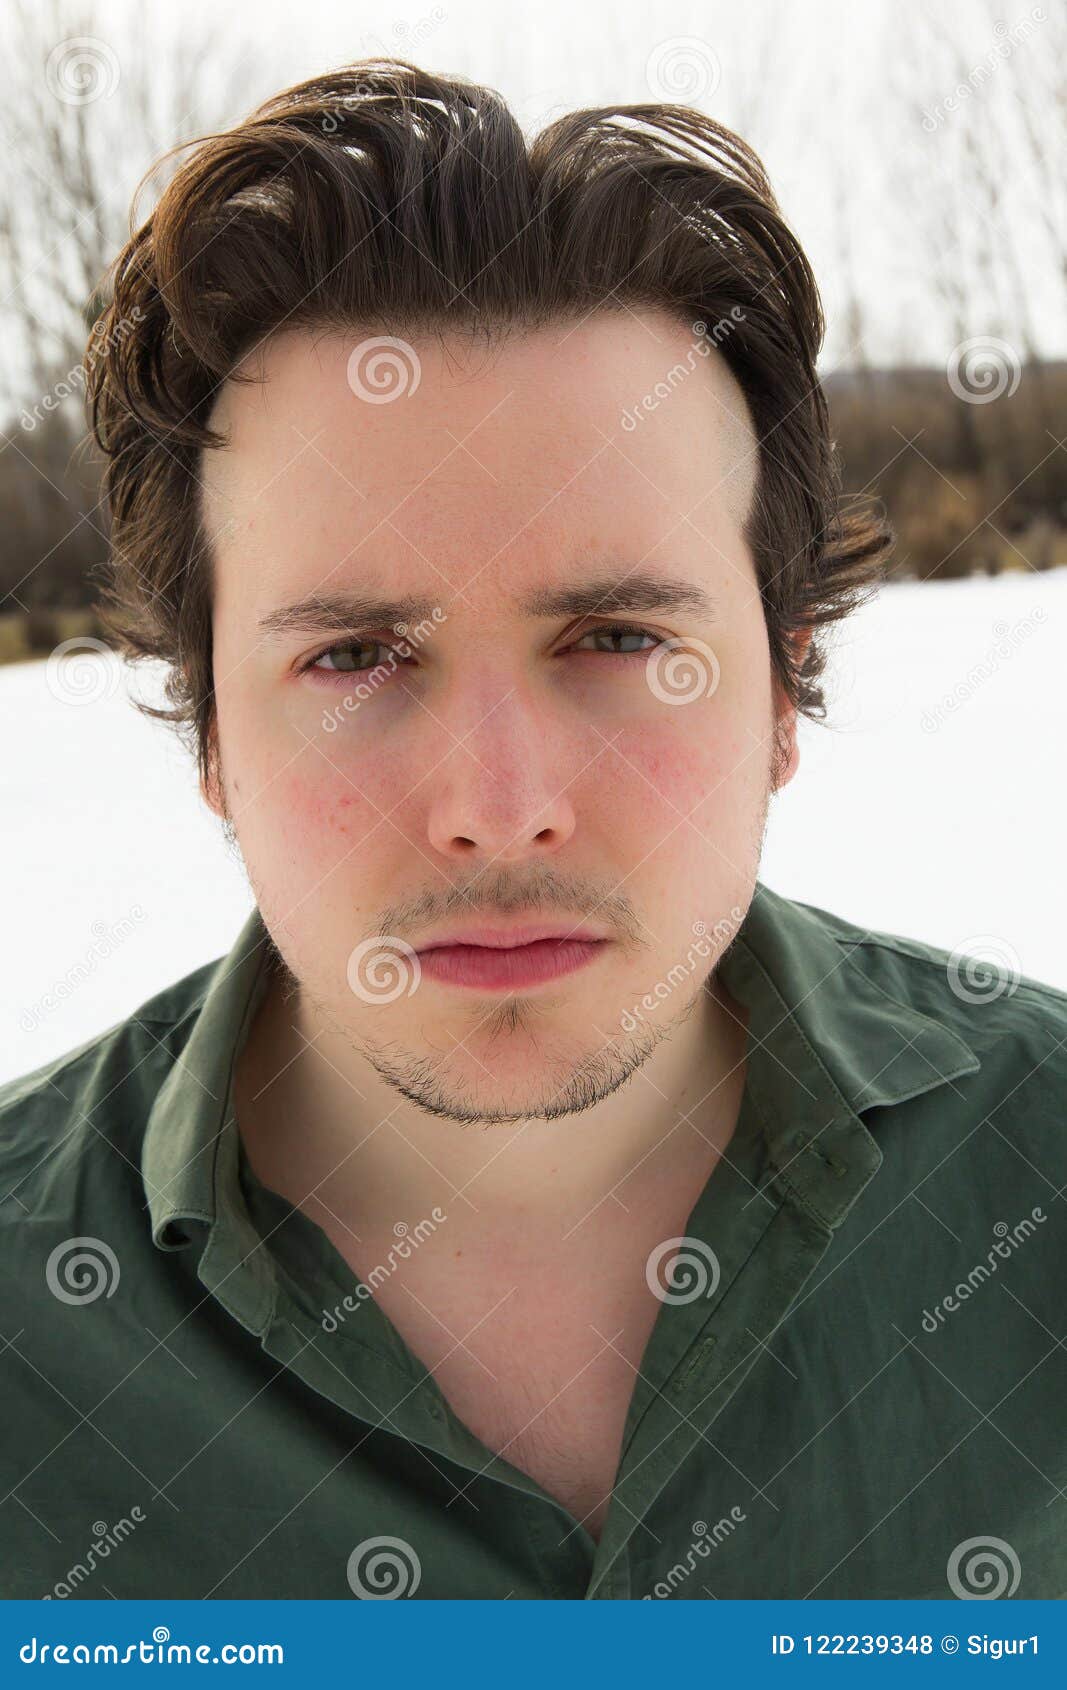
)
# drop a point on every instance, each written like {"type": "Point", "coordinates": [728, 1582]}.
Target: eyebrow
{"type": "Point", "coordinates": [605, 594]}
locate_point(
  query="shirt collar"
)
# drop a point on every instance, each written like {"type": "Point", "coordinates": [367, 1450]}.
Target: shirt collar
{"type": "Point", "coordinates": [189, 1157]}
{"type": "Point", "coordinates": [825, 1042]}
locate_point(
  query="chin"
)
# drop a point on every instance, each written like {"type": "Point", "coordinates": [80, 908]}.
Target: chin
{"type": "Point", "coordinates": [497, 1083]}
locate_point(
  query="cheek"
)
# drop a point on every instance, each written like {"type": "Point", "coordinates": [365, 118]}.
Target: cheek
{"type": "Point", "coordinates": [312, 817]}
{"type": "Point", "coordinates": [687, 806]}
{"type": "Point", "coordinates": [670, 767]}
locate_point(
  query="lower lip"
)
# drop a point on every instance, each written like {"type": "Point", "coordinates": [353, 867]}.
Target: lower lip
{"type": "Point", "coordinates": [507, 969]}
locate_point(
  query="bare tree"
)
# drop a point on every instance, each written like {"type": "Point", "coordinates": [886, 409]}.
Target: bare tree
{"type": "Point", "coordinates": [84, 122]}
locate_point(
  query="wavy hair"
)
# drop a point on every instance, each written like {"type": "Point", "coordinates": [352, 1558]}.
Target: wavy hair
{"type": "Point", "coordinates": [383, 195]}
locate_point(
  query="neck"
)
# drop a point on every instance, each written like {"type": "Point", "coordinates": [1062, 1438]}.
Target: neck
{"type": "Point", "coordinates": [321, 1127]}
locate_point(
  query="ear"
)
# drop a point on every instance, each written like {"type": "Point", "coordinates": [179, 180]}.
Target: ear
{"type": "Point", "coordinates": [211, 790]}
{"type": "Point", "coordinates": [787, 753]}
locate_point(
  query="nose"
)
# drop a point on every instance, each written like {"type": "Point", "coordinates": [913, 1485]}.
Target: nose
{"type": "Point", "coordinates": [499, 794]}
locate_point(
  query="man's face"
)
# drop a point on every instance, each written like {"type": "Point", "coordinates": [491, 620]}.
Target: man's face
{"type": "Point", "coordinates": [485, 765]}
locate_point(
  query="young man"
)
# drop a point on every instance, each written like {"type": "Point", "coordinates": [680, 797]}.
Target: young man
{"type": "Point", "coordinates": [532, 1203]}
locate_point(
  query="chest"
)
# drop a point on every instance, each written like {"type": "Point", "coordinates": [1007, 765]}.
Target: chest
{"type": "Point", "coordinates": [557, 1412]}
{"type": "Point", "coordinates": [540, 1367]}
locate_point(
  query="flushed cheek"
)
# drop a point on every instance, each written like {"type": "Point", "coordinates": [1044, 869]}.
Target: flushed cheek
{"type": "Point", "coordinates": [669, 762]}
{"type": "Point", "coordinates": [318, 819]}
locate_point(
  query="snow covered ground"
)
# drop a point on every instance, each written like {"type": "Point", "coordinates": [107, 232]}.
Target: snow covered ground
{"type": "Point", "coordinates": [933, 806]}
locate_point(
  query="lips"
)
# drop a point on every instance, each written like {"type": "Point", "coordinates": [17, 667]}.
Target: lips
{"type": "Point", "coordinates": [508, 967]}
{"type": "Point", "coordinates": [504, 938]}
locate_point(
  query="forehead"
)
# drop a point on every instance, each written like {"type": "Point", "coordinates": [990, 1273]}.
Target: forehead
{"type": "Point", "coordinates": [626, 432]}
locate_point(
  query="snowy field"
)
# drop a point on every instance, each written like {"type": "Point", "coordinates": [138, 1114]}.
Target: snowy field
{"type": "Point", "coordinates": [932, 805]}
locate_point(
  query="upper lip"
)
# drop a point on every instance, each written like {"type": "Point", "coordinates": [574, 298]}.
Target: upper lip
{"type": "Point", "coordinates": [506, 938]}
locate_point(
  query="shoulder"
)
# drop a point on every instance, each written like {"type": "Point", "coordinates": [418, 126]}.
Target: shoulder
{"type": "Point", "coordinates": [74, 1125]}
{"type": "Point", "coordinates": [1015, 1026]}
{"type": "Point", "coordinates": [976, 989]}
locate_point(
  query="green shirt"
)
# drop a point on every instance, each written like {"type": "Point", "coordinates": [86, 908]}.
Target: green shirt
{"type": "Point", "coordinates": [865, 1397]}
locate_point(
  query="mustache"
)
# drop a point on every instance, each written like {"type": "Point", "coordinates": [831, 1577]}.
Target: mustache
{"type": "Point", "coordinates": [548, 896]}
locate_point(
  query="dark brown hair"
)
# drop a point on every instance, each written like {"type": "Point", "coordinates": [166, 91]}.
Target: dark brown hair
{"type": "Point", "coordinates": [383, 196]}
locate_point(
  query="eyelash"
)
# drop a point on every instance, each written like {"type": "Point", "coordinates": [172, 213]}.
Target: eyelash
{"type": "Point", "coordinates": [348, 645]}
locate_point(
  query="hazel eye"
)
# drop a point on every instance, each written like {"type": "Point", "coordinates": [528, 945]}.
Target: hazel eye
{"type": "Point", "coordinates": [346, 658]}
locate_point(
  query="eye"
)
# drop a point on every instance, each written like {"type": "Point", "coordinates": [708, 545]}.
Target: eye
{"type": "Point", "coordinates": [350, 657]}
{"type": "Point", "coordinates": [362, 656]}
{"type": "Point", "coordinates": [621, 631]}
